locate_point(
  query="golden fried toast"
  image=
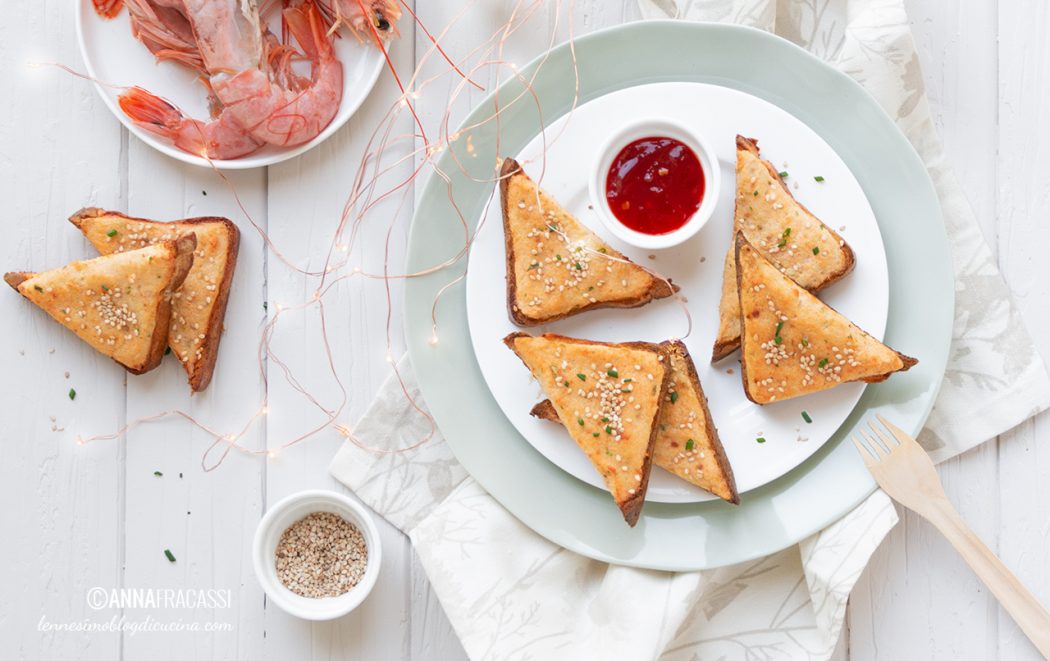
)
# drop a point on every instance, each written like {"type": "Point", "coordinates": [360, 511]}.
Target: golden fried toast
{"type": "Point", "coordinates": [200, 304]}
{"type": "Point", "coordinates": [793, 344]}
{"type": "Point", "coordinates": [119, 304]}
{"type": "Point", "coordinates": [787, 234]}
{"type": "Point", "coordinates": [687, 442]}
{"type": "Point", "coordinates": [610, 396]}
{"type": "Point", "coordinates": [556, 267]}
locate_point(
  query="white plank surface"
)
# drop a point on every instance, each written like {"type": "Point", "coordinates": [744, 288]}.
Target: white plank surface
{"type": "Point", "coordinates": [97, 516]}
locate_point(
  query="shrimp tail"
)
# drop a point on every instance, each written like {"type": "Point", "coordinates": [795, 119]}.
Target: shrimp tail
{"type": "Point", "coordinates": [150, 111]}
{"type": "Point", "coordinates": [307, 26]}
{"type": "Point", "coordinates": [108, 8]}
{"type": "Point", "coordinates": [220, 138]}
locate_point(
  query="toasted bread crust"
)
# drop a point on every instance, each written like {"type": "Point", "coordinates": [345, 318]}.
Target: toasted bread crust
{"type": "Point", "coordinates": [741, 243]}
{"type": "Point", "coordinates": [631, 507]}
{"type": "Point", "coordinates": [509, 169]}
{"type": "Point", "coordinates": [724, 346]}
{"type": "Point", "coordinates": [200, 370]}
{"type": "Point", "coordinates": [15, 278]}
{"type": "Point", "coordinates": [658, 289]}
{"type": "Point", "coordinates": [716, 443]}
{"type": "Point", "coordinates": [183, 248]}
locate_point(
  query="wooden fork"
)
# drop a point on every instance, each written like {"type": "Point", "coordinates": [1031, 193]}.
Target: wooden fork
{"type": "Point", "coordinates": [904, 471]}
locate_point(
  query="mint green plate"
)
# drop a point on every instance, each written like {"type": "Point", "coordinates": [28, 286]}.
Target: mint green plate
{"type": "Point", "coordinates": [681, 537]}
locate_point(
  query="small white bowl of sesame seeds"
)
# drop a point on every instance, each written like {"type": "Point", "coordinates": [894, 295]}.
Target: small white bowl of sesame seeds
{"type": "Point", "coordinates": [317, 554]}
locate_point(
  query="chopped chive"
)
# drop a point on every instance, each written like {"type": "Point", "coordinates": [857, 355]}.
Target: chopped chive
{"type": "Point", "coordinates": [602, 250]}
{"type": "Point", "coordinates": [787, 233]}
{"type": "Point", "coordinates": [158, 473]}
{"type": "Point", "coordinates": [111, 233]}
{"type": "Point", "coordinates": [38, 288]}
{"type": "Point", "coordinates": [557, 257]}
{"type": "Point", "coordinates": [553, 226]}
{"type": "Point", "coordinates": [535, 265]}
{"type": "Point", "coordinates": [581, 377]}
{"type": "Point", "coordinates": [689, 444]}
{"type": "Point", "coordinates": [613, 373]}
{"type": "Point", "coordinates": [674, 396]}
{"type": "Point", "coordinates": [819, 179]}
{"type": "Point", "coordinates": [816, 250]}
{"type": "Point", "coordinates": [783, 242]}
{"type": "Point", "coordinates": [580, 421]}
{"type": "Point", "coordinates": [805, 342]}
{"type": "Point", "coordinates": [783, 174]}
{"type": "Point", "coordinates": [608, 429]}
{"type": "Point", "coordinates": [596, 434]}
{"type": "Point", "coordinates": [72, 394]}
{"type": "Point", "coordinates": [805, 416]}
{"type": "Point", "coordinates": [776, 333]}
{"type": "Point", "coordinates": [755, 193]}
{"type": "Point", "coordinates": [823, 362]}
{"type": "Point", "coordinates": [628, 380]}
{"type": "Point", "coordinates": [605, 419]}
{"type": "Point", "coordinates": [169, 555]}
{"type": "Point", "coordinates": [760, 439]}
{"type": "Point", "coordinates": [579, 267]}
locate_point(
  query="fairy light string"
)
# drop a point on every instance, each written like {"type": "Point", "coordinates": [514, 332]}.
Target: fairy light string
{"type": "Point", "coordinates": [387, 151]}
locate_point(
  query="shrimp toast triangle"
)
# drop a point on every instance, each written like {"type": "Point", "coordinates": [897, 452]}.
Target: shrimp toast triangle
{"type": "Point", "coordinates": [556, 267]}
{"type": "Point", "coordinates": [786, 233]}
{"type": "Point", "coordinates": [610, 394]}
{"type": "Point", "coordinates": [793, 343]}
{"type": "Point", "coordinates": [118, 304]}
{"type": "Point", "coordinates": [200, 304]}
{"type": "Point", "coordinates": [687, 442]}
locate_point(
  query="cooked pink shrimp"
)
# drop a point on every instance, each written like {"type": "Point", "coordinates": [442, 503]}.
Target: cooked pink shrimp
{"type": "Point", "coordinates": [231, 42]}
{"type": "Point", "coordinates": [163, 28]}
{"type": "Point", "coordinates": [362, 16]}
{"type": "Point", "coordinates": [222, 138]}
{"type": "Point", "coordinates": [108, 8]}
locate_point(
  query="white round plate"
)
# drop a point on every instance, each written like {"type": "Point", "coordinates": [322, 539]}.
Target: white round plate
{"type": "Point", "coordinates": [718, 114]}
{"type": "Point", "coordinates": [114, 59]}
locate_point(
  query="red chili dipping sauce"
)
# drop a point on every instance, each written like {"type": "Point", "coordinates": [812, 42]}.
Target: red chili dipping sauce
{"type": "Point", "coordinates": [655, 185]}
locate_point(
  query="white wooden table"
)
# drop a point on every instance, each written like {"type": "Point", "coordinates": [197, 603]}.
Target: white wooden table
{"type": "Point", "coordinates": [77, 517]}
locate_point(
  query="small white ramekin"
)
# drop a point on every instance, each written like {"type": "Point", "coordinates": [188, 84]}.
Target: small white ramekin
{"type": "Point", "coordinates": [649, 128]}
{"type": "Point", "coordinates": [284, 514]}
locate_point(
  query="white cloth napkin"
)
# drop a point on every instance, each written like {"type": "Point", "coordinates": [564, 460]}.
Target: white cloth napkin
{"type": "Point", "coordinates": [511, 594]}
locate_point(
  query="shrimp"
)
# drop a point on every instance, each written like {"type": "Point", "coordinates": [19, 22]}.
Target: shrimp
{"type": "Point", "coordinates": [257, 96]}
{"type": "Point", "coordinates": [222, 138]}
{"type": "Point", "coordinates": [107, 8]}
{"type": "Point", "coordinates": [165, 31]}
{"type": "Point", "coordinates": [232, 44]}
{"type": "Point", "coordinates": [364, 16]}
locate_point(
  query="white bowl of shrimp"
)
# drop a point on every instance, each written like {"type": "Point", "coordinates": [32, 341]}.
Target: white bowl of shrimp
{"type": "Point", "coordinates": [214, 83]}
